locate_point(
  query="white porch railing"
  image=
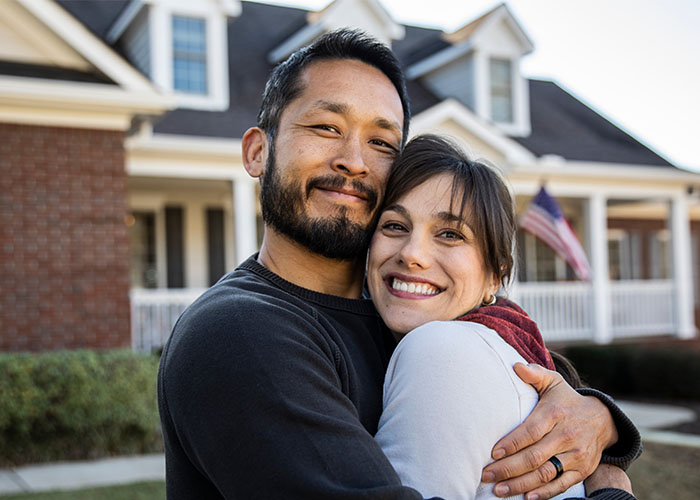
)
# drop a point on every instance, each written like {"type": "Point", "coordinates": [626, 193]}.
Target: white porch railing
{"type": "Point", "coordinates": [154, 313]}
{"type": "Point", "coordinates": [642, 307]}
{"type": "Point", "coordinates": [564, 311]}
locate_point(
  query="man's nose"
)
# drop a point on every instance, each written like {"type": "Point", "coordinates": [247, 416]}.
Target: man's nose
{"type": "Point", "coordinates": [349, 159]}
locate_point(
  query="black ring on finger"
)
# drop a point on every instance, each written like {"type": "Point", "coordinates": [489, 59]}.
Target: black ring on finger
{"type": "Point", "coordinates": [558, 465]}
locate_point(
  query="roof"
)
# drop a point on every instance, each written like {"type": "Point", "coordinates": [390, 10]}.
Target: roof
{"type": "Point", "coordinates": [52, 72]}
{"type": "Point", "coordinates": [562, 125]}
{"type": "Point", "coordinates": [98, 17]}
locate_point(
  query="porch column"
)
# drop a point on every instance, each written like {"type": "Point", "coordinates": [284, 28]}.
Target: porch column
{"type": "Point", "coordinates": [598, 231]}
{"type": "Point", "coordinates": [682, 266]}
{"type": "Point", "coordinates": [245, 237]}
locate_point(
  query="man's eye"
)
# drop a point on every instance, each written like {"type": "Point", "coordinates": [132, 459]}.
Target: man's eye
{"type": "Point", "coordinates": [384, 144]}
{"type": "Point", "coordinates": [328, 128]}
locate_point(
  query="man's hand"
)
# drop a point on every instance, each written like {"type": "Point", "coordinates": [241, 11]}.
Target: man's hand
{"type": "Point", "coordinates": [608, 476]}
{"type": "Point", "coordinates": [574, 428]}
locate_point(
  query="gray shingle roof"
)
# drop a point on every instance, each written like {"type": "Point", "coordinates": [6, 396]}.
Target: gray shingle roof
{"type": "Point", "coordinates": [561, 124]}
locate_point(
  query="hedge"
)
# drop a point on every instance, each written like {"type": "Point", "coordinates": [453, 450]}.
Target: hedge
{"type": "Point", "coordinates": [77, 405]}
{"type": "Point", "coordinates": [641, 371]}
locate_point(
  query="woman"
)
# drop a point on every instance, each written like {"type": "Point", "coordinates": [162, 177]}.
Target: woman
{"type": "Point", "coordinates": [441, 251]}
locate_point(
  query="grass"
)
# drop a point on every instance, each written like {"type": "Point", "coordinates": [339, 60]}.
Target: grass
{"type": "Point", "coordinates": [666, 473]}
{"type": "Point", "coordinates": [136, 491]}
{"type": "Point", "coordinates": [662, 473]}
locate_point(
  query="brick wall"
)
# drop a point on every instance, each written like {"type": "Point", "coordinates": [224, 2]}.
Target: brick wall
{"type": "Point", "coordinates": [64, 251]}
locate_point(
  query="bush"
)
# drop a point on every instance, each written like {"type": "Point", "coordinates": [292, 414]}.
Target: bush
{"type": "Point", "coordinates": [77, 405]}
{"type": "Point", "coordinates": [641, 371]}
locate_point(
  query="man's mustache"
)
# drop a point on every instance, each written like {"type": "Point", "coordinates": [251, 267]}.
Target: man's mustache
{"type": "Point", "coordinates": [339, 182]}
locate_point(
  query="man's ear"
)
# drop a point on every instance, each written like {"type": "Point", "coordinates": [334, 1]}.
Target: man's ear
{"type": "Point", "coordinates": [254, 148]}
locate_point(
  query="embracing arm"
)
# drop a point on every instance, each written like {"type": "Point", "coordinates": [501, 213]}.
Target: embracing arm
{"type": "Point", "coordinates": [258, 407]}
{"type": "Point", "coordinates": [573, 426]}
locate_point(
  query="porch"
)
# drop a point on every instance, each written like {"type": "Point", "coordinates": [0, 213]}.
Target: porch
{"type": "Point", "coordinates": [565, 311]}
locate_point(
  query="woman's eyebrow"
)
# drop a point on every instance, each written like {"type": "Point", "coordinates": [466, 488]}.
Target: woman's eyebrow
{"type": "Point", "coordinates": [398, 209]}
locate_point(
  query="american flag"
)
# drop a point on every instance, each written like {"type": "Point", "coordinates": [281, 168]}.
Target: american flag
{"type": "Point", "coordinates": [545, 220]}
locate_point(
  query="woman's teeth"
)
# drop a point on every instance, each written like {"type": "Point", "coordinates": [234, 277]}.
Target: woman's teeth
{"type": "Point", "coordinates": [416, 288]}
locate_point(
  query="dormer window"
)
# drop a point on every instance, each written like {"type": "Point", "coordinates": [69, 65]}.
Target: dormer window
{"type": "Point", "coordinates": [189, 55]}
{"type": "Point", "coordinates": [181, 46]}
{"type": "Point", "coordinates": [501, 89]}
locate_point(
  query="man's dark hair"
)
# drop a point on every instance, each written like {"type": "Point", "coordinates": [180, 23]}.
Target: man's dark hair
{"type": "Point", "coordinates": [284, 85]}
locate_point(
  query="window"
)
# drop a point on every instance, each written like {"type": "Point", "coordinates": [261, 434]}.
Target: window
{"type": "Point", "coordinates": [216, 244]}
{"type": "Point", "coordinates": [625, 254]}
{"type": "Point", "coordinates": [538, 262]}
{"type": "Point", "coordinates": [660, 258]}
{"type": "Point", "coordinates": [142, 236]}
{"type": "Point", "coordinates": [189, 55]}
{"type": "Point", "coordinates": [501, 78]}
{"type": "Point", "coordinates": [175, 245]}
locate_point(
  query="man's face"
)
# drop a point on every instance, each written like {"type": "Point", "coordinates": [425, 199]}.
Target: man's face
{"type": "Point", "coordinates": [327, 169]}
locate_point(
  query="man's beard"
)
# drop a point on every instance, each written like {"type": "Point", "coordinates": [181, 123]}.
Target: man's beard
{"type": "Point", "coordinates": [334, 236]}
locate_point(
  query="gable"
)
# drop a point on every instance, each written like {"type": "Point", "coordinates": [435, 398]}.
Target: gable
{"type": "Point", "coordinates": [499, 39]}
{"type": "Point", "coordinates": [54, 71]}
{"type": "Point", "coordinates": [24, 39]}
{"type": "Point", "coordinates": [481, 138]}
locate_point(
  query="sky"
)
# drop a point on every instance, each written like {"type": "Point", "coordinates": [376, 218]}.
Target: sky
{"type": "Point", "coordinates": [637, 62]}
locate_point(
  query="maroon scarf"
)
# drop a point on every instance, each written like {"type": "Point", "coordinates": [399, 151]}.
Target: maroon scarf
{"type": "Point", "coordinates": [515, 327]}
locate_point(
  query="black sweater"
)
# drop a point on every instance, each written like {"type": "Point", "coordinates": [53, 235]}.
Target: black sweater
{"type": "Point", "coordinates": [269, 390]}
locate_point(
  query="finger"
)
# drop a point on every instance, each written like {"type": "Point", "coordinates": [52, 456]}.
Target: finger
{"type": "Point", "coordinates": [542, 477]}
{"type": "Point", "coordinates": [537, 425]}
{"type": "Point", "coordinates": [537, 376]}
{"type": "Point", "coordinates": [533, 457]}
{"type": "Point", "coordinates": [555, 487]}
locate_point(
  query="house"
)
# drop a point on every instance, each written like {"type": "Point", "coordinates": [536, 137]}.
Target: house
{"type": "Point", "coordinates": [124, 193]}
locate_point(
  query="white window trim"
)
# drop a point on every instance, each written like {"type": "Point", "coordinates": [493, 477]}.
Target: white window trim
{"type": "Point", "coordinates": [217, 97]}
{"type": "Point", "coordinates": [520, 127]}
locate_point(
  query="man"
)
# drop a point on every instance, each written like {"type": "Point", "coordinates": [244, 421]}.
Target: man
{"type": "Point", "coordinates": [271, 384]}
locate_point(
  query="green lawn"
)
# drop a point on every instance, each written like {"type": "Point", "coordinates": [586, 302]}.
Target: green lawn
{"type": "Point", "coordinates": [662, 473]}
{"type": "Point", "coordinates": [136, 491]}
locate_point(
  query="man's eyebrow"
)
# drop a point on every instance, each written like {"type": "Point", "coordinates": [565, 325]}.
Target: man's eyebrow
{"type": "Point", "coordinates": [333, 107]}
{"type": "Point", "coordinates": [388, 125]}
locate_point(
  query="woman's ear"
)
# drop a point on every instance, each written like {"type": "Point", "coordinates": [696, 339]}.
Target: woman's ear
{"type": "Point", "coordinates": [254, 148]}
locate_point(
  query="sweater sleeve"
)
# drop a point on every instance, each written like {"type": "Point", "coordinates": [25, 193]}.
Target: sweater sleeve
{"type": "Point", "coordinates": [629, 444]}
{"type": "Point", "coordinates": [254, 399]}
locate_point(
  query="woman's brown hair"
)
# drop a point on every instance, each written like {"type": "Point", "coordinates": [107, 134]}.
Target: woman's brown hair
{"type": "Point", "coordinates": [480, 196]}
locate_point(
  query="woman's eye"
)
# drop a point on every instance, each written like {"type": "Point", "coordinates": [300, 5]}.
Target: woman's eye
{"type": "Point", "coordinates": [393, 226]}
{"type": "Point", "coordinates": [452, 235]}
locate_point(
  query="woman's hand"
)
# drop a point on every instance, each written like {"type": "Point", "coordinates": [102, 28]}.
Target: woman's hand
{"type": "Point", "coordinates": [574, 428]}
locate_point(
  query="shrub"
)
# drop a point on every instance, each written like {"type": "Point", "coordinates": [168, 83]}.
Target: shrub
{"type": "Point", "coordinates": [77, 405]}
{"type": "Point", "coordinates": [642, 371]}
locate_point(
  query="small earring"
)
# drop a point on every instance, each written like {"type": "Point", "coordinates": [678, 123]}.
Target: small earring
{"type": "Point", "coordinates": [489, 302]}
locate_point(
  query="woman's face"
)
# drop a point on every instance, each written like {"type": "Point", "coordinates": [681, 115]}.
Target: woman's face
{"type": "Point", "coordinates": [424, 263]}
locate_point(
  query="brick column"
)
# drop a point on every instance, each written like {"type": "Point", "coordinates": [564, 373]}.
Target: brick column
{"type": "Point", "coordinates": [64, 250]}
